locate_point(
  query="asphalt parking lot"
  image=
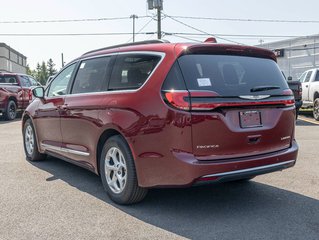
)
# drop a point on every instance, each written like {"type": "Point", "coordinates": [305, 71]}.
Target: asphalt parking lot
{"type": "Point", "coordinates": [56, 200]}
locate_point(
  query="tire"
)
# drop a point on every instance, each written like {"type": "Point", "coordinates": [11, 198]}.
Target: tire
{"type": "Point", "coordinates": [297, 113]}
{"type": "Point", "coordinates": [30, 143]}
{"type": "Point", "coordinates": [118, 174]}
{"type": "Point", "coordinates": [11, 111]}
{"type": "Point", "coordinates": [316, 109]}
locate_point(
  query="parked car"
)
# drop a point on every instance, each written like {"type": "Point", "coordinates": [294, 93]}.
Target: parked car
{"type": "Point", "coordinates": [296, 88]}
{"type": "Point", "coordinates": [310, 91]}
{"type": "Point", "coordinates": [15, 93]}
{"type": "Point", "coordinates": [159, 114]}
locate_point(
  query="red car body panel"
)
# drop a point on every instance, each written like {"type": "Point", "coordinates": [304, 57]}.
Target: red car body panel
{"type": "Point", "coordinates": [164, 140]}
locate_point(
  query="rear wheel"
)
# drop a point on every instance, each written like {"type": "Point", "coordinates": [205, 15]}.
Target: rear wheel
{"type": "Point", "coordinates": [118, 172]}
{"type": "Point", "coordinates": [11, 111]}
{"type": "Point", "coordinates": [316, 109]}
{"type": "Point", "coordinates": [30, 142]}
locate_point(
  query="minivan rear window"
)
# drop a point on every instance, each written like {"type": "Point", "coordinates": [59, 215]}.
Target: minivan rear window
{"type": "Point", "coordinates": [232, 76]}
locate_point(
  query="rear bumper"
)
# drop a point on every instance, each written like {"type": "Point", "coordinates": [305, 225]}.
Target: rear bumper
{"type": "Point", "coordinates": [185, 170]}
{"type": "Point", "coordinates": [246, 173]}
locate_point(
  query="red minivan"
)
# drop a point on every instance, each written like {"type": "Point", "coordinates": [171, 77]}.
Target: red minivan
{"type": "Point", "coordinates": [159, 114]}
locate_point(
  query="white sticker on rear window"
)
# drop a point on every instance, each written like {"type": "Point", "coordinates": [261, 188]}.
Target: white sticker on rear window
{"type": "Point", "coordinates": [204, 82]}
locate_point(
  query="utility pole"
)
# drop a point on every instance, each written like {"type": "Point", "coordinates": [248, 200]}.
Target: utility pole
{"type": "Point", "coordinates": [158, 5]}
{"type": "Point", "coordinates": [62, 60]}
{"type": "Point", "coordinates": [159, 24]}
{"type": "Point", "coordinates": [134, 17]}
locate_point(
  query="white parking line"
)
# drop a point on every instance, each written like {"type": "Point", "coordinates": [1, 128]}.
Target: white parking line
{"type": "Point", "coordinates": [308, 120]}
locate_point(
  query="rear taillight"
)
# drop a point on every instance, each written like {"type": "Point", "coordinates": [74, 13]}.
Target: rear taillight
{"type": "Point", "coordinates": [30, 94]}
{"type": "Point", "coordinates": [209, 100]}
{"type": "Point", "coordinates": [178, 99]}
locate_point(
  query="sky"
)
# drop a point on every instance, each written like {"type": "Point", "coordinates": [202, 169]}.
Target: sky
{"type": "Point", "coordinates": [41, 48]}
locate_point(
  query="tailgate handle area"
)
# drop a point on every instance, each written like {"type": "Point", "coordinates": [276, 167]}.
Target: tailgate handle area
{"type": "Point", "coordinates": [254, 139]}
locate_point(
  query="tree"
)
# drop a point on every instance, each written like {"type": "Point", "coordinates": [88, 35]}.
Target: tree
{"type": "Point", "coordinates": [43, 74]}
{"type": "Point", "coordinates": [51, 70]}
{"type": "Point", "coordinates": [29, 71]}
{"type": "Point", "coordinates": [43, 71]}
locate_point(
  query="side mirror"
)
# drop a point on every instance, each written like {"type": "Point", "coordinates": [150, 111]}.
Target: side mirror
{"type": "Point", "coordinates": [290, 78]}
{"type": "Point", "coordinates": [38, 92]}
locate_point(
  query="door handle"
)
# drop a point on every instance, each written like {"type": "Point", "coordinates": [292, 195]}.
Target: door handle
{"type": "Point", "coordinates": [306, 85]}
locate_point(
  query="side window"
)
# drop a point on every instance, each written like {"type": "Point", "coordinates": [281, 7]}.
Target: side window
{"type": "Point", "coordinates": [130, 71]}
{"type": "Point", "coordinates": [302, 77]}
{"type": "Point", "coordinates": [59, 85]}
{"type": "Point", "coordinates": [91, 76]}
{"type": "Point", "coordinates": [317, 76]}
{"type": "Point", "coordinates": [308, 76]}
{"type": "Point", "coordinates": [33, 82]}
{"type": "Point", "coordinates": [24, 80]}
{"type": "Point", "coordinates": [8, 80]}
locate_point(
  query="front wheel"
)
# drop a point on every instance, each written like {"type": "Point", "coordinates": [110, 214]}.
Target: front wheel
{"type": "Point", "coordinates": [118, 174]}
{"type": "Point", "coordinates": [30, 143]}
{"type": "Point", "coordinates": [316, 109]}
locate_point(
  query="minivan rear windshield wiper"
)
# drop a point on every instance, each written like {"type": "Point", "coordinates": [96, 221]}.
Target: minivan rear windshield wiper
{"type": "Point", "coordinates": [264, 88]}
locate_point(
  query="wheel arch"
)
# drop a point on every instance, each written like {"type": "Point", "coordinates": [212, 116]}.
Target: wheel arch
{"type": "Point", "coordinates": [106, 134]}
{"type": "Point", "coordinates": [25, 117]}
{"type": "Point", "coordinates": [315, 95]}
{"type": "Point", "coordinates": [12, 98]}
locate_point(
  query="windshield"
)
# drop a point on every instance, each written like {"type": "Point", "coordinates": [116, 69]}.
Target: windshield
{"type": "Point", "coordinates": [232, 75]}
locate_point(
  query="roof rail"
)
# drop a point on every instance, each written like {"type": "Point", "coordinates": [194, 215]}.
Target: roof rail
{"type": "Point", "coordinates": [129, 44]}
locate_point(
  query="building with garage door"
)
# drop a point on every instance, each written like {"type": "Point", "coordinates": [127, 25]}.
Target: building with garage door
{"type": "Point", "coordinates": [296, 55]}
{"type": "Point", "coordinates": [11, 60]}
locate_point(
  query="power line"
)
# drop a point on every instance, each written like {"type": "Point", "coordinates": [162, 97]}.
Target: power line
{"type": "Point", "coordinates": [247, 19]}
{"type": "Point", "coordinates": [237, 35]}
{"type": "Point", "coordinates": [187, 38]}
{"type": "Point", "coordinates": [68, 34]}
{"type": "Point", "coordinates": [142, 28]}
{"type": "Point", "coordinates": [68, 20]}
{"type": "Point", "coordinates": [196, 29]}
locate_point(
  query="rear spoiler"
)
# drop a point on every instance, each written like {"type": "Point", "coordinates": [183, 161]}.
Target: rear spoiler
{"type": "Point", "coordinates": [227, 49]}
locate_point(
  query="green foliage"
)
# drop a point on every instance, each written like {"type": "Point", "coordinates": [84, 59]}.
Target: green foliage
{"type": "Point", "coordinates": [51, 70]}
{"type": "Point", "coordinates": [43, 71]}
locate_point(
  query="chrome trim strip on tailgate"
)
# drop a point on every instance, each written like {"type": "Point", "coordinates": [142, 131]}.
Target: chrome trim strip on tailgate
{"type": "Point", "coordinates": [248, 169]}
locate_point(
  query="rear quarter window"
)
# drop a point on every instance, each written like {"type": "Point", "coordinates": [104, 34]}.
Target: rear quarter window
{"type": "Point", "coordinates": [231, 75]}
{"type": "Point", "coordinates": [130, 71]}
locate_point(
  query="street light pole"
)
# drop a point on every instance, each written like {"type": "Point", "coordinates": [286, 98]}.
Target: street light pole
{"type": "Point", "coordinates": [134, 17]}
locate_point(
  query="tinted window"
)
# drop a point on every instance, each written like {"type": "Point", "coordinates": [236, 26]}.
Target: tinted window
{"type": "Point", "coordinates": [59, 85]}
{"type": "Point", "coordinates": [231, 75]}
{"type": "Point", "coordinates": [302, 78]}
{"type": "Point", "coordinates": [24, 80]}
{"type": "Point", "coordinates": [131, 71]}
{"type": "Point", "coordinates": [8, 80]}
{"type": "Point", "coordinates": [33, 81]}
{"type": "Point", "coordinates": [91, 76]}
{"type": "Point", "coordinates": [308, 76]}
{"type": "Point", "coordinates": [174, 79]}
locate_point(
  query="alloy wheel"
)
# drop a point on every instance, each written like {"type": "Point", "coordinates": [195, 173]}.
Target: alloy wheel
{"type": "Point", "coordinates": [29, 139]}
{"type": "Point", "coordinates": [115, 170]}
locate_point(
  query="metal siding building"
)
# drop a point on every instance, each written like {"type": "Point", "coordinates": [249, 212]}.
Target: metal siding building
{"type": "Point", "coordinates": [11, 60]}
{"type": "Point", "coordinates": [298, 54]}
